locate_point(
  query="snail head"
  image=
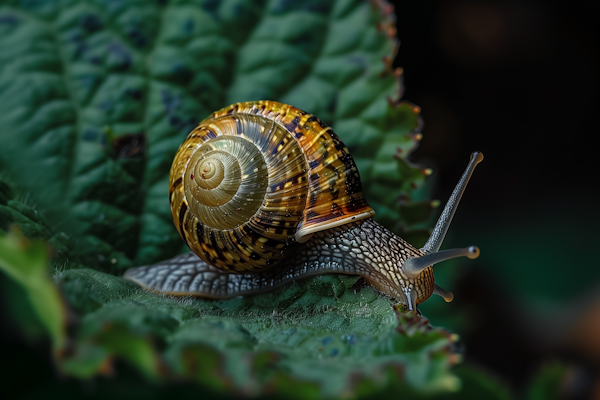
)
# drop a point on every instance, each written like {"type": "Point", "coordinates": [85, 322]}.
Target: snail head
{"type": "Point", "coordinates": [413, 267]}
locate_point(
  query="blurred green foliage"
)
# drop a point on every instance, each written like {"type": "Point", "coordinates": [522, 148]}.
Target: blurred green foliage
{"type": "Point", "coordinates": [548, 382]}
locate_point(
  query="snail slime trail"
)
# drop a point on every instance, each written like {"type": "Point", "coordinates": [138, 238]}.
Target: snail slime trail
{"type": "Point", "coordinates": [257, 181]}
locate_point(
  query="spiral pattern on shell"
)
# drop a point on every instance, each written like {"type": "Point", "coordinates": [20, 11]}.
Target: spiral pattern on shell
{"type": "Point", "coordinates": [255, 178]}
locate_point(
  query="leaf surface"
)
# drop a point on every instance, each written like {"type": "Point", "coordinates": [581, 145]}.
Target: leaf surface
{"type": "Point", "coordinates": [96, 97]}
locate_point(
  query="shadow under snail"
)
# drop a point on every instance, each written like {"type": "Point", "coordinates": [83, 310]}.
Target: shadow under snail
{"type": "Point", "coordinates": [264, 194]}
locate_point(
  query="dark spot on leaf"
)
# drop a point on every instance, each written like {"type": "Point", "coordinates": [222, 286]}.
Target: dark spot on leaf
{"type": "Point", "coordinates": [8, 19]}
{"type": "Point", "coordinates": [90, 134]}
{"type": "Point", "coordinates": [170, 102]}
{"type": "Point", "coordinates": [313, 7]}
{"type": "Point", "coordinates": [174, 121]}
{"type": "Point", "coordinates": [90, 22]}
{"type": "Point", "coordinates": [135, 94]}
{"type": "Point", "coordinates": [334, 352]}
{"type": "Point", "coordinates": [332, 106]}
{"type": "Point", "coordinates": [129, 146]}
{"type": "Point", "coordinates": [181, 72]}
{"type": "Point", "coordinates": [211, 6]}
{"type": "Point", "coordinates": [138, 39]}
{"type": "Point", "coordinates": [119, 56]}
{"type": "Point", "coordinates": [75, 38]}
{"type": "Point", "coordinates": [105, 105]}
{"type": "Point", "coordinates": [307, 43]}
{"type": "Point", "coordinates": [188, 26]}
{"type": "Point", "coordinates": [327, 340]}
{"type": "Point", "coordinates": [81, 49]}
{"type": "Point", "coordinates": [357, 60]}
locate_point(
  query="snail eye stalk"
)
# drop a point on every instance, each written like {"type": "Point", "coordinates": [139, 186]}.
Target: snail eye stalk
{"type": "Point", "coordinates": [441, 227]}
{"type": "Point", "coordinates": [415, 265]}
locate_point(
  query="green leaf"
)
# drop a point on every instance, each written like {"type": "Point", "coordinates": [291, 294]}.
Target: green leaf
{"type": "Point", "coordinates": [26, 264]}
{"type": "Point", "coordinates": [95, 98]}
{"type": "Point", "coordinates": [320, 335]}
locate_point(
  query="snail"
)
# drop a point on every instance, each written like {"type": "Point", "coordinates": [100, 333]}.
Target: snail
{"type": "Point", "coordinates": [264, 194]}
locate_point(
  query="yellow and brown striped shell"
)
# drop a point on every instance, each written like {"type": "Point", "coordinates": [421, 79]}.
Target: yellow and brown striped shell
{"type": "Point", "coordinates": [254, 179]}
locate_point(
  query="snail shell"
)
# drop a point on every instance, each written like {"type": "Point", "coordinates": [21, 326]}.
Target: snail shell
{"type": "Point", "coordinates": [257, 181]}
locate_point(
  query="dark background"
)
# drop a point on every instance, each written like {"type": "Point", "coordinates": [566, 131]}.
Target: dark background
{"type": "Point", "coordinates": [517, 80]}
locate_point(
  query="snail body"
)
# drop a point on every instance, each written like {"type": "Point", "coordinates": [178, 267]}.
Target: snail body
{"type": "Point", "coordinates": [264, 193]}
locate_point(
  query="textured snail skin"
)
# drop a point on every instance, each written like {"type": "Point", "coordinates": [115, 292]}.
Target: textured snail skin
{"type": "Point", "coordinates": [362, 248]}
